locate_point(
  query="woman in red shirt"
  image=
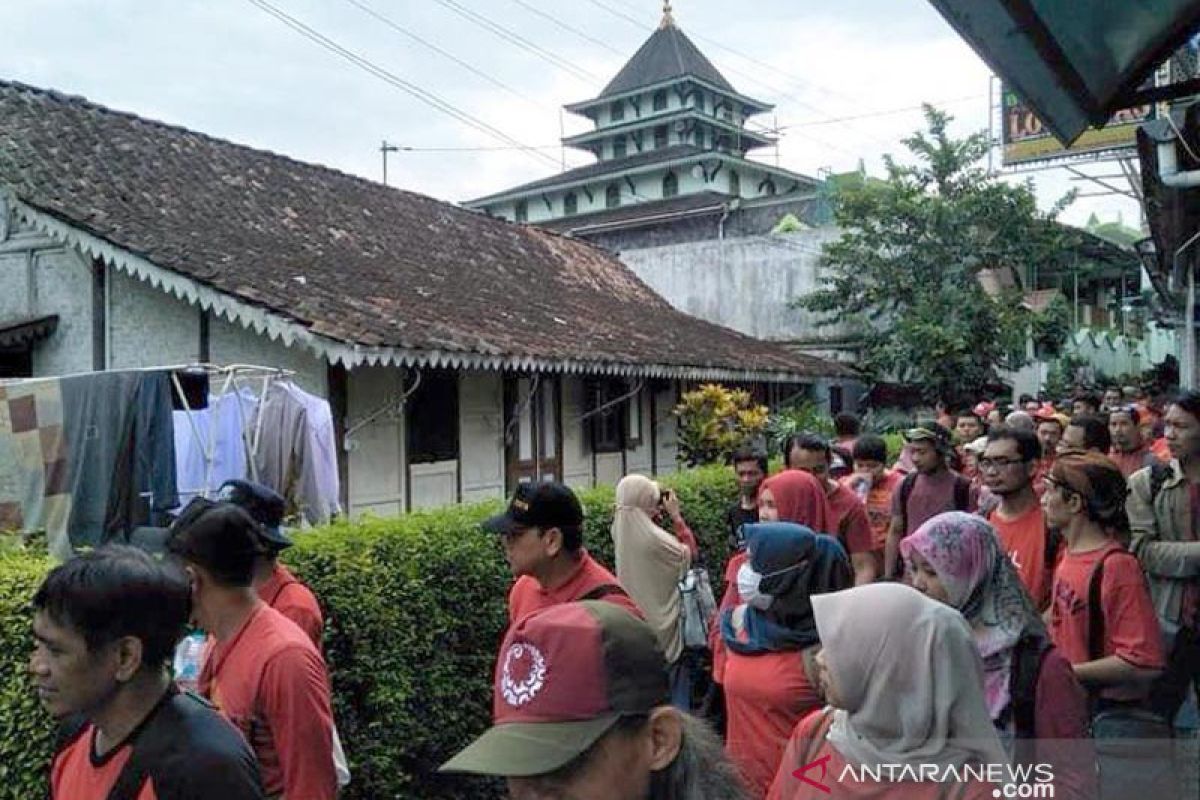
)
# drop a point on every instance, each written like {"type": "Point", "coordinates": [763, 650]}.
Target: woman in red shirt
{"type": "Point", "coordinates": [905, 691]}
{"type": "Point", "coordinates": [1085, 499]}
{"type": "Point", "coordinates": [1033, 697]}
{"type": "Point", "coordinates": [790, 496]}
{"type": "Point", "coordinates": [770, 640]}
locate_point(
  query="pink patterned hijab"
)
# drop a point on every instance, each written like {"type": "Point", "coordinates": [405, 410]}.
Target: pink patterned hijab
{"type": "Point", "coordinates": [984, 586]}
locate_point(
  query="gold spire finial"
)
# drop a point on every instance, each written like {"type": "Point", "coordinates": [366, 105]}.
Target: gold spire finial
{"type": "Point", "coordinates": [668, 20]}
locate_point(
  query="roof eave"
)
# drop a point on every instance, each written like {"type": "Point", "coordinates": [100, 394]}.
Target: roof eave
{"type": "Point", "coordinates": [757, 106]}
{"type": "Point", "coordinates": [291, 333]}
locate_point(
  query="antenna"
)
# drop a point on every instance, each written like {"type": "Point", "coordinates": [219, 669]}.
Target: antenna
{"type": "Point", "coordinates": [384, 149]}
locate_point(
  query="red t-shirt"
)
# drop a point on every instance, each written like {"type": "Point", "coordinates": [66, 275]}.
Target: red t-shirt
{"type": "Point", "coordinates": [527, 595]}
{"type": "Point", "coordinates": [287, 595]}
{"type": "Point", "coordinates": [879, 507]}
{"type": "Point", "coordinates": [765, 696]}
{"type": "Point", "coordinates": [269, 680]}
{"type": "Point", "coordinates": [1132, 461]}
{"type": "Point", "coordinates": [728, 600]}
{"type": "Point", "coordinates": [808, 745]}
{"type": "Point", "coordinates": [1130, 627]}
{"type": "Point", "coordinates": [931, 495]}
{"type": "Point", "coordinates": [1024, 539]}
{"type": "Point", "coordinates": [848, 518]}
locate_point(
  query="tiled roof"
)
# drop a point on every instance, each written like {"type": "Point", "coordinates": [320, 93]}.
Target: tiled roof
{"type": "Point", "coordinates": [668, 54]}
{"type": "Point", "coordinates": [599, 169]}
{"type": "Point", "coordinates": [353, 265]}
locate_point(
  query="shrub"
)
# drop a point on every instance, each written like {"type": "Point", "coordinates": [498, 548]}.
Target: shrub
{"type": "Point", "coordinates": [415, 610]}
{"type": "Point", "coordinates": [25, 743]}
{"type": "Point", "coordinates": [714, 421]}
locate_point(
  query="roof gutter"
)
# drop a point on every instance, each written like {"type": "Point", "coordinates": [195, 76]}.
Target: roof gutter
{"type": "Point", "coordinates": [1168, 167]}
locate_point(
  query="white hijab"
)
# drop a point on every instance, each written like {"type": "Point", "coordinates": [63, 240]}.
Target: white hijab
{"type": "Point", "coordinates": [909, 679]}
{"type": "Point", "coordinates": [650, 561]}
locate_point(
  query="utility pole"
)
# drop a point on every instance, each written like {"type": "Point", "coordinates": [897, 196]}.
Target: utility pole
{"type": "Point", "coordinates": [384, 149]}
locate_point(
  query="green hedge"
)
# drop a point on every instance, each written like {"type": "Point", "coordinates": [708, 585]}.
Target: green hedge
{"type": "Point", "coordinates": [25, 731]}
{"type": "Point", "coordinates": [415, 610]}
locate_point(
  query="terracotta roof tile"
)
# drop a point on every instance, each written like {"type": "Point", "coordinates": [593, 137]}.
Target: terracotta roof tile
{"type": "Point", "coordinates": [349, 259]}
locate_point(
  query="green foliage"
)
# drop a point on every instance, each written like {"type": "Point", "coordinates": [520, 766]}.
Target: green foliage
{"type": "Point", "coordinates": [714, 421]}
{"type": "Point", "coordinates": [415, 610]}
{"type": "Point", "coordinates": [802, 417]}
{"type": "Point", "coordinates": [907, 267]}
{"type": "Point", "coordinates": [1064, 375]}
{"type": "Point", "coordinates": [25, 741]}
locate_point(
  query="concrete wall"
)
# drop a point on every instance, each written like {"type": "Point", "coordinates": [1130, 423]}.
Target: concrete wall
{"type": "Point", "coordinates": [481, 432]}
{"type": "Point", "coordinates": [148, 327]}
{"type": "Point", "coordinates": [749, 220]}
{"type": "Point", "coordinates": [577, 451]}
{"type": "Point", "coordinates": [744, 283]}
{"type": "Point", "coordinates": [230, 343]}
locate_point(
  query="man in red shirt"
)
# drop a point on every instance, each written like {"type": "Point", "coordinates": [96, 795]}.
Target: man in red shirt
{"type": "Point", "coordinates": [542, 536]}
{"type": "Point", "coordinates": [263, 673]}
{"type": "Point", "coordinates": [849, 521]}
{"type": "Point", "coordinates": [275, 583]}
{"type": "Point", "coordinates": [104, 627]}
{"type": "Point", "coordinates": [1009, 465]}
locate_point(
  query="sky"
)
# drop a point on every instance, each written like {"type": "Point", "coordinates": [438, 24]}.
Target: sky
{"type": "Point", "coordinates": [503, 69]}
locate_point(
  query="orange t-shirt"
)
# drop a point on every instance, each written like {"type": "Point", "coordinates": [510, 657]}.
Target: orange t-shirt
{"type": "Point", "coordinates": [1131, 629]}
{"type": "Point", "coordinates": [287, 595]}
{"type": "Point", "coordinates": [808, 746]}
{"type": "Point", "coordinates": [879, 505]}
{"type": "Point", "coordinates": [1024, 540]}
{"type": "Point", "coordinates": [527, 595]}
{"type": "Point", "coordinates": [1161, 450]}
{"type": "Point", "coordinates": [269, 680]}
{"type": "Point", "coordinates": [765, 696]}
{"type": "Point", "coordinates": [1132, 461]}
{"type": "Point", "coordinates": [848, 518]}
{"type": "Point", "coordinates": [77, 775]}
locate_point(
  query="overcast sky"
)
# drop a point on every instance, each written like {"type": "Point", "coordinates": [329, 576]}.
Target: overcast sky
{"type": "Point", "coordinates": [230, 69]}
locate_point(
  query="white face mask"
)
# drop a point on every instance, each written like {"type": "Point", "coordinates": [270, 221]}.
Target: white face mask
{"type": "Point", "coordinates": [748, 580]}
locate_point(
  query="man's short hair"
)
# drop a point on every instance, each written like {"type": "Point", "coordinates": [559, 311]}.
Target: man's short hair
{"type": "Point", "coordinates": [754, 454]}
{"type": "Point", "coordinates": [118, 591]}
{"type": "Point", "coordinates": [1026, 398]}
{"type": "Point", "coordinates": [221, 538]}
{"type": "Point", "coordinates": [1091, 398]}
{"type": "Point", "coordinates": [1130, 410]}
{"type": "Point", "coordinates": [847, 424]}
{"type": "Point", "coordinates": [1095, 432]}
{"type": "Point", "coordinates": [1028, 446]}
{"type": "Point", "coordinates": [1188, 401]}
{"type": "Point", "coordinates": [807, 441]}
{"type": "Point", "coordinates": [870, 447]}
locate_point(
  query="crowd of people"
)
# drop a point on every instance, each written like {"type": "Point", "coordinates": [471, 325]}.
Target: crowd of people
{"type": "Point", "coordinates": [1020, 587]}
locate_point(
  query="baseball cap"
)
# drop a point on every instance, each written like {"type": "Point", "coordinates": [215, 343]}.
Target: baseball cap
{"type": "Point", "coordinates": [564, 677]}
{"type": "Point", "coordinates": [928, 431]}
{"type": "Point", "coordinates": [263, 504]}
{"type": "Point", "coordinates": [538, 505]}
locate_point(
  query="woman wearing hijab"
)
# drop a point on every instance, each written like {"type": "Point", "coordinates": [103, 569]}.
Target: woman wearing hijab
{"type": "Point", "coordinates": [1030, 688]}
{"type": "Point", "coordinates": [770, 639]}
{"type": "Point", "coordinates": [789, 496]}
{"type": "Point", "coordinates": [905, 687]}
{"type": "Point", "coordinates": [650, 564]}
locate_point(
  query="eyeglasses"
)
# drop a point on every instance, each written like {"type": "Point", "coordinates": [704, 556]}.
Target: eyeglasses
{"type": "Point", "coordinates": [997, 464]}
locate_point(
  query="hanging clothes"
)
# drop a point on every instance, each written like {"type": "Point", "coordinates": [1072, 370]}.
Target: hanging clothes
{"type": "Point", "coordinates": [86, 458]}
{"type": "Point", "coordinates": [223, 426]}
{"type": "Point", "coordinates": [296, 454]}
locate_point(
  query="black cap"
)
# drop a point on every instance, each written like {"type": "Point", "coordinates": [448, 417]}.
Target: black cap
{"type": "Point", "coordinates": [264, 505]}
{"type": "Point", "coordinates": [538, 505]}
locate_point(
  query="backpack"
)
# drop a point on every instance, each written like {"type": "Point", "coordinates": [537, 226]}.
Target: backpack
{"type": "Point", "coordinates": [962, 495]}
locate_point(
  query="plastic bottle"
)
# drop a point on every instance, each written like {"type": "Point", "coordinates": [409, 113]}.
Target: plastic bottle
{"type": "Point", "coordinates": [189, 658]}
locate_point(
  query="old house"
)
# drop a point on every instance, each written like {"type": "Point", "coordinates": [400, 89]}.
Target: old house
{"type": "Point", "coordinates": [460, 353]}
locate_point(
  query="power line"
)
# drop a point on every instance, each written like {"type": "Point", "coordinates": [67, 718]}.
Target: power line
{"type": "Point", "coordinates": [883, 113]}
{"type": "Point", "coordinates": [411, 89]}
{"type": "Point", "coordinates": [570, 29]}
{"type": "Point", "coordinates": [431, 46]}
{"type": "Point", "coordinates": [517, 39]}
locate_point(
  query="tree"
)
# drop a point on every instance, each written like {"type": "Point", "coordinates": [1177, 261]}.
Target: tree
{"type": "Point", "coordinates": [714, 421]}
{"type": "Point", "coordinates": [907, 268]}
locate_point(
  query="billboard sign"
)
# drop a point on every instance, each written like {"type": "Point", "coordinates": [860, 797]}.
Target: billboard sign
{"type": "Point", "coordinates": [1024, 140]}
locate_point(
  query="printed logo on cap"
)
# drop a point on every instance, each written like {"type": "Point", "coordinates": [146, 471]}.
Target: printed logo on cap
{"type": "Point", "coordinates": [523, 674]}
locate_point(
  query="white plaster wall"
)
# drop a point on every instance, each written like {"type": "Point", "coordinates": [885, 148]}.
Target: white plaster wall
{"type": "Point", "coordinates": [667, 428]}
{"type": "Point", "coordinates": [743, 283]}
{"type": "Point", "coordinates": [148, 327]}
{"type": "Point", "coordinates": [481, 432]}
{"type": "Point", "coordinates": [577, 457]}
{"type": "Point", "coordinates": [638, 459]}
{"type": "Point", "coordinates": [608, 469]}
{"type": "Point", "coordinates": [230, 343]}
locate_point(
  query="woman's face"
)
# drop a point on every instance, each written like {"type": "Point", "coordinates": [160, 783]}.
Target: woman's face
{"type": "Point", "coordinates": [924, 578]}
{"type": "Point", "coordinates": [767, 512]}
